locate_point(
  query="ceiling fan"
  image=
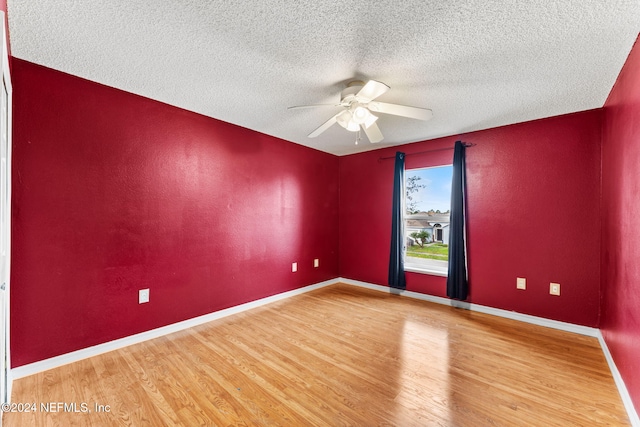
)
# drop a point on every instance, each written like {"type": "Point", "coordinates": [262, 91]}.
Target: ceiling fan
{"type": "Point", "coordinates": [357, 100]}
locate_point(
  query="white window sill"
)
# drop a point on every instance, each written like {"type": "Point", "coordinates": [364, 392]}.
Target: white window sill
{"type": "Point", "coordinates": [413, 268]}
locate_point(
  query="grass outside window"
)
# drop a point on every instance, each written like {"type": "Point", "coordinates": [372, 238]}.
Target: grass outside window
{"type": "Point", "coordinates": [438, 251]}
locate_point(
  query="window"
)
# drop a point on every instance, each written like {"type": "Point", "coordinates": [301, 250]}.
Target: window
{"type": "Point", "coordinates": [426, 220]}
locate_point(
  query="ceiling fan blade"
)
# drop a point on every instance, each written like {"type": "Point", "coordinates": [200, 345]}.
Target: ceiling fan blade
{"type": "Point", "coordinates": [296, 107]}
{"type": "Point", "coordinates": [371, 91]}
{"type": "Point", "coordinates": [326, 125]}
{"type": "Point", "coordinates": [373, 132]}
{"type": "Point", "coordinates": [401, 110]}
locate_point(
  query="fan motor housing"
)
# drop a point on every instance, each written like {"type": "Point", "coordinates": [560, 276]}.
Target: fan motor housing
{"type": "Point", "coordinates": [349, 93]}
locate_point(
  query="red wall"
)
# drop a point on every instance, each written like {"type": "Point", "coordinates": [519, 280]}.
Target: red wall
{"type": "Point", "coordinates": [620, 227]}
{"type": "Point", "coordinates": [114, 193]}
{"type": "Point", "coordinates": [533, 212]}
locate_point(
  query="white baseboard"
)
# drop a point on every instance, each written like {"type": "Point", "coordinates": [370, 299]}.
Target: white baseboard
{"type": "Point", "coordinates": [569, 327]}
{"type": "Point", "coordinates": [622, 388]}
{"type": "Point", "coordinates": [541, 321]}
{"type": "Point", "coordinates": [54, 362]}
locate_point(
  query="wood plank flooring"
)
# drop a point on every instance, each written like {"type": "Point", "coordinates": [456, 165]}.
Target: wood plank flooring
{"type": "Point", "coordinates": [337, 356]}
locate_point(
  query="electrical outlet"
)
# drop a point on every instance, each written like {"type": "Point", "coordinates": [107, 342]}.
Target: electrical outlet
{"type": "Point", "coordinates": [521, 283]}
{"type": "Point", "coordinates": [554, 288]}
{"type": "Point", "coordinates": [316, 263]}
{"type": "Point", "coordinates": [294, 267]}
{"type": "Point", "coordinates": [143, 296]}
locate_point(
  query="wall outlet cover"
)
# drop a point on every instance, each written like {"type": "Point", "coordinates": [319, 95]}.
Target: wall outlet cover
{"type": "Point", "coordinates": [294, 267]}
{"type": "Point", "coordinates": [143, 296]}
{"type": "Point", "coordinates": [554, 289]}
{"type": "Point", "coordinates": [521, 283]}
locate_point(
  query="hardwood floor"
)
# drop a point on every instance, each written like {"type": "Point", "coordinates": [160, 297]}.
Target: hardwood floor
{"type": "Point", "coordinates": [337, 356]}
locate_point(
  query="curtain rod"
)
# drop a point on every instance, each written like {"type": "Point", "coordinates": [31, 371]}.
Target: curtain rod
{"type": "Point", "coordinates": [466, 144]}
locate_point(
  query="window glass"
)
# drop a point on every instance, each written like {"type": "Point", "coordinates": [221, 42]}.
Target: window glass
{"type": "Point", "coordinates": [427, 213]}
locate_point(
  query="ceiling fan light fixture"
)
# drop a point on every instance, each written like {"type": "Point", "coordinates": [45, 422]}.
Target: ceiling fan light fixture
{"type": "Point", "coordinates": [345, 119]}
{"type": "Point", "coordinates": [353, 126]}
{"type": "Point", "coordinates": [355, 116]}
{"type": "Point", "coordinates": [360, 114]}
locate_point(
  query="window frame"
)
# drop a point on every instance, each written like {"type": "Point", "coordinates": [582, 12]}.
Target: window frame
{"type": "Point", "coordinates": [413, 267]}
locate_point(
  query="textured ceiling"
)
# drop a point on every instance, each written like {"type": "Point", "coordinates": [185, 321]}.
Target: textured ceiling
{"type": "Point", "coordinates": [476, 63]}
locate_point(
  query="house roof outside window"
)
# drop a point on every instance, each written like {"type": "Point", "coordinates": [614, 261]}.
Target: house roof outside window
{"type": "Point", "coordinates": [427, 220]}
